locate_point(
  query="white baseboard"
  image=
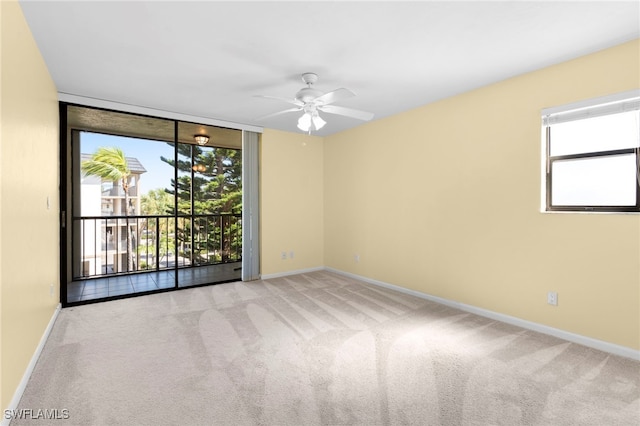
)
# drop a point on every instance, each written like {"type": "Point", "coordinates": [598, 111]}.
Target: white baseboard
{"type": "Point", "coordinates": [17, 395]}
{"type": "Point", "coordinates": [562, 334]}
{"type": "Point", "coordinates": [295, 272]}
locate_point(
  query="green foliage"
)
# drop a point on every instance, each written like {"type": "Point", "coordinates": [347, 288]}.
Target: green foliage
{"type": "Point", "coordinates": [156, 231]}
{"type": "Point", "coordinates": [209, 183]}
{"type": "Point", "coordinates": [157, 202]}
{"type": "Point", "coordinates": [217, 189]}
{"type": "Point", "coordinates": [108, 163]}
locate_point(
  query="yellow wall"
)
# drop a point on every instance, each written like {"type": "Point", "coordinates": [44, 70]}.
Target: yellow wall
{"type": "Point", "coordinates": [29, 242]}
{"type": "Point", "coordinates": [445, 200]}
{"type": "Point", "coordinates": [291, 181]}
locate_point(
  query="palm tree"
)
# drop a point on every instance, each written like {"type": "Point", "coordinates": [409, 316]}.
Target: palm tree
{"type": "Point", "coordinates": [110, 164]}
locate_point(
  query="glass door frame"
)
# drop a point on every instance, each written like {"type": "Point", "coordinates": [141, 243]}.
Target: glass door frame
{"type": "Point", "coordinates": [69, 194]}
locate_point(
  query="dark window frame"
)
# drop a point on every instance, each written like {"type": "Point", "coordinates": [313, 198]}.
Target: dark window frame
{"type": "Point", "coordinates": [68, 195]}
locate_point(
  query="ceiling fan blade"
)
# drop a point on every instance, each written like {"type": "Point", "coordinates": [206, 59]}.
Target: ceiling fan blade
{"type": "Point", "coordinates": [348, 112]}
{"type": "Point", "coordinates": [334, 96]}
{"type": "Point", "coordinates": [278, 98]}
{"type": "Point", "coordinates": [264, 117]}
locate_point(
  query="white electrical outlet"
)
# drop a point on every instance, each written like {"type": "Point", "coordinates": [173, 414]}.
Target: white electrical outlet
{"type": "Point", "coordinates": [552, 298]}
{"type": "Point", "coordinates": [283, 255]}
{"type": "Point", "coordinates": [356, 258]}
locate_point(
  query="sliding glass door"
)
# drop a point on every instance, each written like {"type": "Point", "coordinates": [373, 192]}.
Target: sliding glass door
{"type": "Point", "coordinates": [148, 205]}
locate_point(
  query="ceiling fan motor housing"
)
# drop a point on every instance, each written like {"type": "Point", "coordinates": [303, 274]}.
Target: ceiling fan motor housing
{"type": "Point", "coordinates": [308, 93]}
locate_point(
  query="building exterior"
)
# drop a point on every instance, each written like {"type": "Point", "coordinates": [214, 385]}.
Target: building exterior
{"type": "Point", "coordinates": [102, 226]}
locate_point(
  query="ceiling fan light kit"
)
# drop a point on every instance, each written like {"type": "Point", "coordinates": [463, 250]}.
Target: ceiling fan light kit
{"type": "Point", "coordinates": [310, 121]}
{"type": "Point", "coordinates": [312, 101]}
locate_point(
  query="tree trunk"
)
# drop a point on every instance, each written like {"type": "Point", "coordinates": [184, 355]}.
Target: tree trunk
{"type": "Point", "coordinates": [125, 188]}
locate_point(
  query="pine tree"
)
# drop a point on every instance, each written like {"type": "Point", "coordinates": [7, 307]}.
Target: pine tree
{"type": "Point", "coordinates": [211, 179]}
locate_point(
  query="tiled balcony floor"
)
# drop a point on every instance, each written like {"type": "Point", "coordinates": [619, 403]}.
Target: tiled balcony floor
{"type": "Point", "coordinates": [99, 288]}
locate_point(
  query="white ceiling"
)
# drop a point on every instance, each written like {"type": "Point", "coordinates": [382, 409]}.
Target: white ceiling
{"type": "Point", "coordinates": [209, 59]}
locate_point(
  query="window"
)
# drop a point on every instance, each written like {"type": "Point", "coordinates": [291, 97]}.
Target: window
{"type": "Point", "coordinates": [593, 155]}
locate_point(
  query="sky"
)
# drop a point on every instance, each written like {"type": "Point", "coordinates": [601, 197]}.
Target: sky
{"type": "Point", "coordinates": [596, 181]}
{"type": "Point", "coordinates": [148, 152]}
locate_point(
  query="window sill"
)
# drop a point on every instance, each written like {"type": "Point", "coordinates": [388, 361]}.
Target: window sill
{"type": "Point", "coordinates": [587, 212]}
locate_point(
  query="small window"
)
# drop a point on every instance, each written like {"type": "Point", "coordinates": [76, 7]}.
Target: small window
{"type": "Point", "coordinates": [593, 155]}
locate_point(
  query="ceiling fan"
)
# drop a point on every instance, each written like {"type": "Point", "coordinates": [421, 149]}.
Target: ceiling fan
{"type": "Point", "coordinates": [312, 101]}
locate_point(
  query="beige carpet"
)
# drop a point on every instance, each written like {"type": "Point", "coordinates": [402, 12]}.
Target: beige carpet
{"type": "Point", "coordinates": [314, 349]}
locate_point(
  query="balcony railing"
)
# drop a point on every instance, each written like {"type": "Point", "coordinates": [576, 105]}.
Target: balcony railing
{"type": "Point", "coordinates": [154, 243]}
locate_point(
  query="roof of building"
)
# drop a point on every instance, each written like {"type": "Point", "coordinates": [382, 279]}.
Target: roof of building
{"type": "Point", "coordinates": [135, 166]}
